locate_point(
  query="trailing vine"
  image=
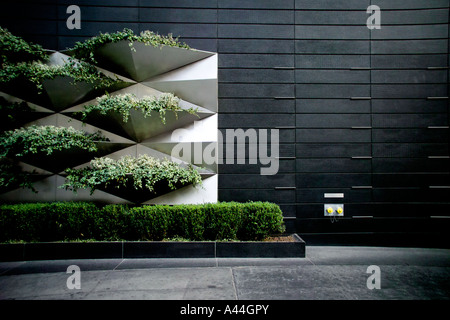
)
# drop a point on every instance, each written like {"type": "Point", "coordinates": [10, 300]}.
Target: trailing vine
{"type": "Point", "coordinates": [85, 50]}
{"type": "Point", "coordinates": [14, 49]}
{"type": "Point", "coordinates": [25, 61]}
{"type": "Point", "coordinates": [22, 60]}
{"type": "Point", "coordinates": [36, 72]}
{"type": "Point", "coordinates": [45, 139]}
{"type": "Point", "coordinates": [33, 140]}
{"type": "Point", "coordinates": [123, 104]}
{"type": "Point", "coordinates": [143, 172]}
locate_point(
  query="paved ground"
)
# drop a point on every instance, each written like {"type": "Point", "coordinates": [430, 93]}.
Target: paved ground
{"type": "Point", "coordinates": [326, 273]}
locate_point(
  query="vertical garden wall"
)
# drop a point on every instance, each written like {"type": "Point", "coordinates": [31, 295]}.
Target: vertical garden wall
{"type": "Point", "coordinates": [98, 122]}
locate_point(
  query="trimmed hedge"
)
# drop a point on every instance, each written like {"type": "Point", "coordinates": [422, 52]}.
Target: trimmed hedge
{"type": "Point", "coordinates": [66, 221]}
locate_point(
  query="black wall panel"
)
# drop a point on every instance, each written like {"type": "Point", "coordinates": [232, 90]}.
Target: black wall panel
{"type": "Point", "coordinates": [419, 106]}
{"type": "Point", "coordinates": [332, 5]}
{"type": "Point", "coordinates": [360, 112]}
{"type": "Point", "coordinates": [335, 46]}
{"type": "Point", "coordinates": [277, 17]}
{"type": "Point", "coordinates": [261, 61]}
{"type": "Point", "coordinates": [332, 135]}
{"type": "Point", "coordinates": [408, 61]}
{"type": "Point", "coordinates": [335, 150]}
{"type": "Point", "coordinates": [410, 150]}
{"type": "Point", "coordinates": [257, 31]}
{"type": "Point", "coordinates": [337, 61]}
{"type": "Point", "coordinates": [255, 46]}
{"type": "Point", "coordinates": [411, 180]}
{"type": "Point", "coordinates": [435, 31]}
{"type": "Point", "coordinates": [410, 135]}
{"type": "Point", "coordinates": [333, 165]}
{"type": "Point", "coordinates": [256, 90]}
{"type": "Point", "coordinates": [255, 120]}
{"type": "Point", "coordinates": [409, 76]}
{"type": "Point", "coordinates": [332, 76]}
{"type": "Point", "coordinates": [423, 46]}
{"type": "Point", "coordinates": [332, 105]}
{"type": "Point", "coordinates": [256, 105]}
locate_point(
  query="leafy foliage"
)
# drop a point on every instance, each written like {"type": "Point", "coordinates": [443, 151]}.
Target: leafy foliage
{"type": "Point", "coordinates": [124, 103]}
{"type": "Point", "coordinates": [14, 49]}
{"type": "Point", "coordinates": [45, 139]}
{"type": "Point", "coordinates": [37, 139]}
{"type": "Point", "coordinates": [62, 221]}
{"type": "Point", "coordinates": [36, 72]}
{"type": "Point", "coordinates": [143, 172]}
{"type": "Point", "coordinates": [47, 221]}
{"type": "Point", "coordinates": [86, 50]}
{"type": "Point", "coordinates": [22, 60]}
{"type": "Point", "coordinates": [257, 219]}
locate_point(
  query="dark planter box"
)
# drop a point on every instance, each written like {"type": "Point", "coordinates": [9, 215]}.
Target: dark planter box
{"type": "Point", "coordinates": [175, 249]}
{"type": "Point", "coordinates": [72, 250]}
{"type": "Point", "coordinates": [294, 249]}
{"type": "Point", "coordinates": [151, 249]}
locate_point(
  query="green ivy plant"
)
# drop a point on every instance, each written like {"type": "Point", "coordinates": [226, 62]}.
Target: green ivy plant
{"type": "Point", "coordinates": [37, 72]}
{"type": "Point", "coordinates": [85, 50]}
{"type": "Point", "coordinates": [21, 60]}
{"type": "Point", "coordinates": [124, 103]}
{"type": "Point", "coordinates": [14, 49]}
{"type": "Point", "coordinates": [143, 172]}
{"type": "Point", "coordinates": [45, 139]}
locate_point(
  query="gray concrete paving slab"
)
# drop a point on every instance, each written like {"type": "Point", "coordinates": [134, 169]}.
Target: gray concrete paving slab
{"type": "Point", "coordinates": [352, 255]}
{"type": "Point", "coordinates": [155, 283]}
{"type": "Point", "coordinates": [342, 283]}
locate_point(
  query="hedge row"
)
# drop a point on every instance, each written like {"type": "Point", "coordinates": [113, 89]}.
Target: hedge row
{"type": "Point", "coordinates": [65, 221]}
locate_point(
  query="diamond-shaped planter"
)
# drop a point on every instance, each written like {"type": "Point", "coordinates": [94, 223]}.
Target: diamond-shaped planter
{"type": "Point", "coordinates": [145, 71]}
{"type": "Point", "coordinates": [137, 127]}
{"type": "Point", "coordinates": [58, 93]}
{"type": "Point", "coordinates": [58, 161]}
{"type": "Point", "coordinates": [145, 61]}
{"type": "Point", "coordinates": [138, 196]}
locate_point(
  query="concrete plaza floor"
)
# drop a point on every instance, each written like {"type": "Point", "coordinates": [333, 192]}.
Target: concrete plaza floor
{"type": "Point", "coordinates": [327, 273]}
